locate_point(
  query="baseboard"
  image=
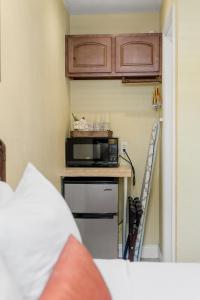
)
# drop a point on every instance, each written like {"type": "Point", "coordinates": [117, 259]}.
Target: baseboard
{"type": "Point", "coordinates": [161, 257]}
{"type": "Point", "coordinates": [148, 251]}
{"type": "Point", "coordinates": [151, 251]}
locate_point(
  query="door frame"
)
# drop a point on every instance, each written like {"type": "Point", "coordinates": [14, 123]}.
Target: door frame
{"type": "Point", "coordinates": [169, 139]}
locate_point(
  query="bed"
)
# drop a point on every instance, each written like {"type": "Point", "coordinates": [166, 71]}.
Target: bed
{"type": "Point", "coordinates": [125, 280]}
{"type": "Point", "coordinates": [152, 281]}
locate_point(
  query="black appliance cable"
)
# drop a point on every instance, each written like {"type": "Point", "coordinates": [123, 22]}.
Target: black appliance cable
{"type": "Point", "coordinates": [124, 159]}
{"type": "Point", "coordinates": [131, 164]}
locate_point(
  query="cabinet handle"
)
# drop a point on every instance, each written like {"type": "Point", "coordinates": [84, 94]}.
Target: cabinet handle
{"type": "Point", "coordinates": [107, 190]}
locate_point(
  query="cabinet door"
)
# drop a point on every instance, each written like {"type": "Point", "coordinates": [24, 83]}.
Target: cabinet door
{"type": "Point", "coordinates": [92, 198]}
{"type": "Point", "coordinates": [139, 53]}
{"type": "Point", "coordinates": [100, 236]}
{"type": "Point", "coordinates": [89, 54]}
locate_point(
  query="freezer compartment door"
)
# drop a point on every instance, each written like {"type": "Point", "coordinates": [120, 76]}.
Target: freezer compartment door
{"type": "Point", "coordinates": [100, 236]}
{"type": "Point", "coordinates": [92, 198]}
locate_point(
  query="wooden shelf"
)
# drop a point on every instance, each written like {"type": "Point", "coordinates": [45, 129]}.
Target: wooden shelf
{"type": "Point", "coordinates": [121, 171]}
{"type": "Point", "coordinates": [142, 80]}
{"type": "Point", "coordinates": [82, 133]}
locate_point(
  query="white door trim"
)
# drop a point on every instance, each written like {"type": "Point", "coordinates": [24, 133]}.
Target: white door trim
{"type": "Point", "coordinates": [169, 138]}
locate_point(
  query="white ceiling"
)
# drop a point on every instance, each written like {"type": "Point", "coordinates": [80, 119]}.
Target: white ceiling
{"type": "Point", "coordinates": [111, 6]}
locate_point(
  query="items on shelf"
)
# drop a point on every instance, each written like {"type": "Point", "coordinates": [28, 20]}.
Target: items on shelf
{"type": "Point", "coordinates": [83, 125]}
{"type": "Point", "coordinates": [156, 101]}
{"type": "Point", "coordinates": [79, 124]}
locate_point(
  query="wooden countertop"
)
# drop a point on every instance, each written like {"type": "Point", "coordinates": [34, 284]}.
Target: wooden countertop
{"type": "Point", "coordinates": [121, 171]}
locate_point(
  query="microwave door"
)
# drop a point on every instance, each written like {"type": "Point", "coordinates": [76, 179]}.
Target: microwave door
{"type": "Point", "coordinates": [104, 152]}
{"type": "Point", "coordinates": [96, 151]}
{"type": "Point", "coordinates": [100, 152]}
{"type": "Point", "coordinates": [83, 151]}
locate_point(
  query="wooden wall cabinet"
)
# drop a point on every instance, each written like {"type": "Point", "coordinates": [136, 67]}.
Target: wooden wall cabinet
{"type": "Point", "coordinates": [138, 54]}
{"type": "Point", "coordinates": [89, 55]}
{"type": "Point", "coordinates": [113, 56]}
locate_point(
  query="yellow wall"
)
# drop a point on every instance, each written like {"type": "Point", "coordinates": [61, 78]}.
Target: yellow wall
{"type": "Point", "coordinates": [34, 113]}
{"type": "Point", "coordinates": [114, 23]}
{"type": "Point", "coordinates": [127, 107]}
{"type": "Point", "coordinates": [166, 6]}
{"type": "Point", "coordinates": [188, 127]}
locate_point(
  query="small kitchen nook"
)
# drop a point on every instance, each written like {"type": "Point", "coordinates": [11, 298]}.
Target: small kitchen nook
{"type": "Point", "coordinates": [114, 73]}
{"type": "Point", "coordinates": [90, 186]}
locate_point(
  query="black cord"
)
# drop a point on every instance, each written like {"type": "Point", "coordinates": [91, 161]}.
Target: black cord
{"type": "Point", "coordinates": [133, 169]}
{"type": "Point", "coordinates": [130, 162]}
{"type": "Point", "coordinates": [124, 159]}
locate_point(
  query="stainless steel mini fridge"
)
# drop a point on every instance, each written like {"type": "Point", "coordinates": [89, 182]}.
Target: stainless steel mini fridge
{"type": "Point", "coordinates": [94, 204]}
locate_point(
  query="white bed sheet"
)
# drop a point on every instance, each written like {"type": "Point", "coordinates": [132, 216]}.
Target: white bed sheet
{"type": "Point", "coordinates": [152, 281]}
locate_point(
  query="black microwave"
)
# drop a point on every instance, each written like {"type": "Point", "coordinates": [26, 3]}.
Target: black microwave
{"type": "Point", "coordinates": [91, 152]}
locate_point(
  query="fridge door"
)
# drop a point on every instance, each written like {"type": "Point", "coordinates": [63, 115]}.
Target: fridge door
{"type": "Point", "coordinates": [100, 235]}
{"type": "Point", "coordinates": [92, 198]}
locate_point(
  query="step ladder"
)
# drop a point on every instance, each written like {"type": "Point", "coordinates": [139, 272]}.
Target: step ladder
{"type": "Point", "coordinates": [146, 188]}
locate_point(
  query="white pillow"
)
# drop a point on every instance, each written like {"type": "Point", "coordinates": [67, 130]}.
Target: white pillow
{"type": "Point", "coordinates": [8, 288]}
{"type": "Point", "coordinates": [33, 230]}
{"type": "Point", "coordinates": [5, 193]}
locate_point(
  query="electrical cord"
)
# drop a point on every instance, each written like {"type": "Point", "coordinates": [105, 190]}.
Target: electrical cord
{"type": "Point", "coordinates": [132, 167]}
{"type": "Point", "coordinates": [131, 164]}
{"type": "Point", "coordinates": [124, 159]}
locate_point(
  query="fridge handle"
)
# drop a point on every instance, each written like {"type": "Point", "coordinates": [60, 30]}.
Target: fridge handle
{"type": "Point", "coordinates": [94, 215]}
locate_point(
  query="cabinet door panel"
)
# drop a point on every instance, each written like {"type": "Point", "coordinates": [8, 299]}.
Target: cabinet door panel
{"type": "Point", "coordinates": [137, 53]}
{"type": "Point", "coordinates": [92, 198]}
{"type": "Point", "coordinates": [100, 236]}
{"type": "Point", "coordinates": [89, 54]}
